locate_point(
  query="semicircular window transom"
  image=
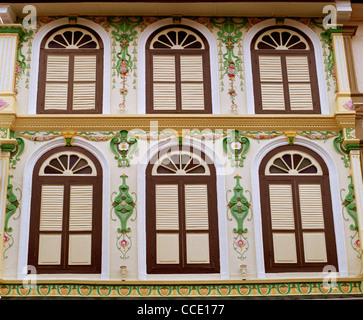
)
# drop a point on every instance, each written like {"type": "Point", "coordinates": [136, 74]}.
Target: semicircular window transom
{"type": "Point", "coordinates": [72, 38]}
{"type": "Point", "coordinates": [293, 163]}
{"type": "Point", "coordinates": [180, 163]}
{"type": "Point", "coordinates": [68, 164]}
{"type": "Point", "coordinates": [177, 38]}
{"type": "Point", "coordinates": [281, 39]}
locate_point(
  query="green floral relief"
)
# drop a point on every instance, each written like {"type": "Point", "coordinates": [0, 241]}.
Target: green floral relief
{"type": "Point", "coordinates": [236, 146]}
{"type": "Point", "coordinates": [123, 147]}
{"type": "Point", "coordinates": [123, 206]}
{"type": "Point", "coordinates": [349, 205]}
{"type": "Point", "coordinates": [12, 205]}
{"type": "Point", "coordinates": [239, 207]}
{"type": "Point", "coordinates": [338, 145]}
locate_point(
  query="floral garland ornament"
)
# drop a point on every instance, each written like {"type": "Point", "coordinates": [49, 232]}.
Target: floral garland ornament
{"type": "Point", "coordinates": [349, 204]}
{"type": "Point", "coordinates": [239, 206]}
{"type": "Point", "coordinates": [123, 63]}
{"type": "Point", "coordinates": [124, 206]}
{"type": "Point", "coordinates": [123, 147]}
{"type": "Point", "coordinates": [236, 147]}
{"type": "Point", "coordinates": [231, 64]}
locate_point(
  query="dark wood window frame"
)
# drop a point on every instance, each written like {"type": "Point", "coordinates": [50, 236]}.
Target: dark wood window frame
{"type": "Point", "coordinates": [294, 180]}
{"type": "Point", "coordinates": [67, 181]}
{"type": "Point", "coordinates": [44, 53]}
{"type": "Point", "coordinates": [177, 53]}
{"type": "Point", "coordinates": [182, 267]}
{"type": "Point", "coordinates": [255, 53]}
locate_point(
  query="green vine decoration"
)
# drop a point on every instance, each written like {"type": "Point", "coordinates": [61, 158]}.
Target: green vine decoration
{"type": "Point", "coordinates": [239, 206]}
{"type": "Point", "coordinates": [123, 146]}
{"type": "Point", "coordinates": [349, 204]}
{"type": "Point", "coordinates": [338, 145]}
{"type": "Point", "coordinates": [123, 63]}
{"type": "Point", "coordinates": [12, 205]}
{"type": "Point", "coordinates": [231, 64]}
{"type": "Point", "coordinates": [236, 147]}
{"type": "Point", "coordinates": [124, 206]}
{"type": "Point", "coordinates": [18, 150]}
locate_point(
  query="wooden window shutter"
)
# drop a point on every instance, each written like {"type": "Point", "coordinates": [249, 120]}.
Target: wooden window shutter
{"type": "Point", "coordinates": [281, 204]}
{"type": "Point", "coordinates": [164, 94]}
{"type": "Point", "coordinates": [56, 87]}
{"type": "Point", "coordinates": [282, 219]}
{"type": "Point", "coordinates": [312, 221]}
{"type": "Point", "coordinates": [51, 224]}
{"type": "Point", "coordinates": [80, 208]}
{"type": "Point", "coordinates": [84, 87]}
{"type": "Point", "coordinates": [272, 89]}
{"type": "Point", "coordinates": [167, 207]}
{"type": "Point", "coordinates": [192, 87]}
{"type": "Point", "coordinates": [196, 207]}
{"type": "Point", "coordinates": [299, 83]}
{"type": "Point", "coordinates": [51, 208]}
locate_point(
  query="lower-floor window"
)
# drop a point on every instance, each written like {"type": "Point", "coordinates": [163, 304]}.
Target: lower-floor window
{"type": "Point", "coordinates": [182, 223]}
{"type": "Point", "coordinates": [66, 211]}
{"type": "Point", "coordinates": [297, 219]}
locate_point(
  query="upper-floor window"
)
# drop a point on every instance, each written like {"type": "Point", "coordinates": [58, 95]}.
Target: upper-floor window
{"type": "Point", "coordinates": [284, 72]}
{"type": "Point", "coordinates": [178, 72]}
{"type": "Point", "coordinates": [71, 71]}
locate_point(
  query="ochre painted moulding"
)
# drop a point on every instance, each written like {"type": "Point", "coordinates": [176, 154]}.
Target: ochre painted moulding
{"type": "Point", "coordinates": [335, 122]}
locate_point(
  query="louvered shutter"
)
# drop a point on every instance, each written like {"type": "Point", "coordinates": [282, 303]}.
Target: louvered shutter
{"type": "Point", "coordinates": [167, 218]}
{"type": "Point", "coordinates": [51, 220]}
{"type": "Point", "coordinates": [312, 221]}
{"type": "Point", "coordinates": [196, 207]}
{"type": "Point", "coordinates": [192, 92]}
{"type": "Point", "coordinates": [164, 86]}
{"type": "Point", "coordinates": [56, 87]}
{"type": "Point", "coordinates": [282, 219]}
{"type": "Point", "coordinates": [299, 83]}
{"type": "Point", "coordinates": [272, 90]}
{"type": "Point", "coordinates": [84, 86]}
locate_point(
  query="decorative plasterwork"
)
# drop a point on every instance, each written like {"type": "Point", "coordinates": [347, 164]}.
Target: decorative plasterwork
{"type": "Point", "coordinates": [239, 207]}
{"type": "Point", "coordinates": [349, 204]}
{"type": "Point", "coordinates": [177, 122]}
{"type": "Point", "coordinates": [124, 206]}
{"type": "Point", "coordinates": [123, 146]}
{"type": "Point", "coordinates": [136, 289]}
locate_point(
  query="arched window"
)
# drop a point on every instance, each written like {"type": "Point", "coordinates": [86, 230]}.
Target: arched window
{"type": "Point", "coordinates": [181, 221]}
{"type": "Point", "coordinates": [284, 72]}
{"type": "Point", "coordinates": [71, 71]}
{"type": "Point", "coordinates": [297, 219]}
{"type": "Point", "coordinates": [178, 72]}
{"type": "Point", "coordinates": [66, 219]}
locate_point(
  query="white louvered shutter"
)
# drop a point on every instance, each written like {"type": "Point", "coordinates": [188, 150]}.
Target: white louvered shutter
{"type": "Point", "coordinates": [196, 207]}
{"type": "Point", "coordinates": [282, 219]}
{"type": "Point", "coordinates": [80, 208]}
{"type": "Point", "coordinates": [192, 88]}
{"type": "Point", "coordinates": [312, 221]}
{"type": "Point", "coordinates": [84, 86]}
{"type": "Point", "coordinates": [167, 218]}
{"type": "Point", "coordinates": [51, 208]}
{"type": "Point", "coordinates": [272, 90]}
{"type": "Point", "coordinates": [196, 218]}
{"type": "Point", "coordinates": [164, 87]}
{"type": "Point", "coordinates": [299, 83]}
{"type": "Point", "coordinates": [167, 207]}
{"type": "Point", "coordinates": [56, 87]}
{"type": "Point", "coordinates": [51, 219]}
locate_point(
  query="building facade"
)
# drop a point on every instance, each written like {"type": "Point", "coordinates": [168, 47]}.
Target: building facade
{"type": "Point", "coordinates": [167, 149]}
